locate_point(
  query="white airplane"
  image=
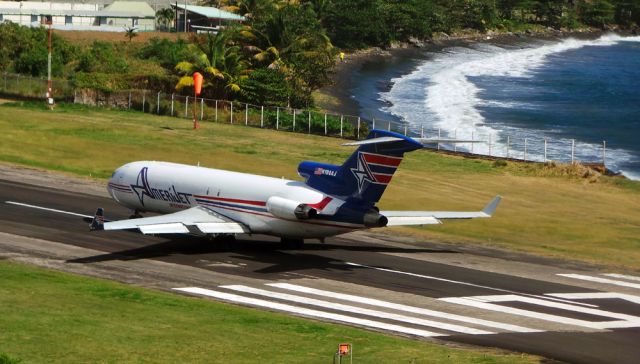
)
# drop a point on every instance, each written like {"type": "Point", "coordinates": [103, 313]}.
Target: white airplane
{"type": "Point", "coordinates": [333, 199]}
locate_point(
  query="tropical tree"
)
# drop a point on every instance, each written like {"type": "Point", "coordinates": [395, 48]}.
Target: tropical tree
{"type": "Point", "coordinates": [219, 60]}
{"type": "Point", "coordinates": [291, 40]}
{"type": "Point", "coordinates": [130, 32]}
{"type": "Point", "coordinates": [165, 16]}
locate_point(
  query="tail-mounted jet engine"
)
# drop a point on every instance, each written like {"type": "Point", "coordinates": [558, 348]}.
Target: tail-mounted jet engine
{"type": "Point", "coordinates": [289, 209]}
{"type": "Point", "coordinates": [374, 219]}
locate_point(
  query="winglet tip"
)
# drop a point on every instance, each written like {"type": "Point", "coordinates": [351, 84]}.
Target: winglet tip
{"type": "Point", "coordinates": [491, 207]}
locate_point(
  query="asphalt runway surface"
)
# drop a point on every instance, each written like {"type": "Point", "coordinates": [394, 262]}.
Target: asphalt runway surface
{"type": "Point", "coordinates": [429, 291]}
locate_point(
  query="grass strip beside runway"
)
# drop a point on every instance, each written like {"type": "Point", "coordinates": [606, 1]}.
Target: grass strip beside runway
{"type": "Point", "coordinates": [54, 317]}
{"type": "Point", "coordinates": [546, 210]}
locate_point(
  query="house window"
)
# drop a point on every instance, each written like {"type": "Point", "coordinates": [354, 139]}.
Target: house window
{"type": "Point", "coordinates": [34, 18]}
{"type": "Point", "coordinates": [68, 19]}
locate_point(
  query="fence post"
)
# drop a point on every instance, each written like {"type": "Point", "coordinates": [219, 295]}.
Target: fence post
{"type": "Point", "coordinates": [455, 136]}
{"type": "Point", "coordinates": [573, 151]}
{"type": "Point", "coordinates": [490, 145]}
{"type": "Point", "coordinates": [508, 142]}
{"type": "Point", "coordinates": [309, 121]}
{"type": "Point", "coordinates": [389, 126]}
{"type": "Point", "coordinates": [129, 101]}
{"type": "Point", "coordinates": [405, 130]}
{"type": "Point", "coordinates": [358, 135]}
{"type": "Point", "coordinates": [246, 114]}
{"type": "Point", "coordinates": [472, 143]}
{"type": "Point", "coordinates": [525, 149]}
{"type": "Point", "coordinates": [231, 113]}
{"type": "Point", "coordinates": [158, 105]}
{"type": "Point", "coordinates": [262, 116]}
{"type": "Point", "coordinates": [277, 118]}
{"type": "Point", "coordinates": [144, 99]}
{"type": "Point", "coordinates": [294, 119]}
{"type": "Point", "coordinates": [172, 97]}
{"type": "Point", "coordinates": [186, 107]}
{"type": "Point", "coordinates": [373, 122]}
{"type": "Point", "coordinates": [422, 131]}
{"type": "Point", "coordinates": [341, 118]}
{"type": "Point", "coordinates": [216, 115]}
{"type": "Point", "coordinates": [201, 109]}
{"type": "Point", "coordinates": [325, 124]}
{"type": "Point", "coordinates": [438, 138]}
{"type": "Point", "coordinates": [604, 156]}
{"type": "Point", "coordinates": [545, 150]}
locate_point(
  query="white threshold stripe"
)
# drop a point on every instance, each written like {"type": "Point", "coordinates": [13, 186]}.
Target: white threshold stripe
{"type": "Point", "coordinates": [466, 284]}
{"type": "Point", "coordinates": [307, 312]}
{"type": "Point", "coordinates": [598, 295]}
{"type": "Point", "coordinates": [401, 307]}
{"type": "Point", "coordinates": [602, 280]}
{"type": "Point", "coordinates": [47, 209]}
{"type": "Point", "coordinates": [357, 310]}
{"type": "Point", "coordinates": [474, 302]}
{"type": "Point", "coordinates": [623, 276]}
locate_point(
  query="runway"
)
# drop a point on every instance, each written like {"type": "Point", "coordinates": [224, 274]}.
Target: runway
{"type": "Point", "coordinates": [432, 291]}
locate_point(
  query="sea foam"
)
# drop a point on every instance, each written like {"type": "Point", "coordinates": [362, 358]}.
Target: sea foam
{"type": "Point", "coordinates": [440, 94]}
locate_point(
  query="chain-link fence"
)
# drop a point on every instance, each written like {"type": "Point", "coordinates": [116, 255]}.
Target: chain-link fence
{"type": "Point", "coordinates": [35, 87]}
{"type": "Point", "coordinates": [500, 144]}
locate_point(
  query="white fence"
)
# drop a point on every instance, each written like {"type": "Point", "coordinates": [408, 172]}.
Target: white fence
{"type": "Point", "coordinates": [495, 144]}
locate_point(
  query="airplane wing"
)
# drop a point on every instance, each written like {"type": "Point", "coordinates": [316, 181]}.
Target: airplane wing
{"type": "Point", "coordinates": [398, 218]}
{"type": "Point", "coordinates": [196, 220]}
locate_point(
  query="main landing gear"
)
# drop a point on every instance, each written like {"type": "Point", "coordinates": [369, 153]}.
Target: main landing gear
{"type": "Point", "coordinates": [136, 215]}
{"type": "Point", "coordinates": [291, 243]}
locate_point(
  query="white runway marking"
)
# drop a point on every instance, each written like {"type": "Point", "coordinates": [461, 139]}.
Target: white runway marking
{"type": "Point", "coordinates": [47, 209]}
{"type": "Point", "coordinates": [598, 295]}
{"type": "Point", "coordinates": [602, 280]}
{"type": "Point", "coordinates": [487, 303]}
{"type": "Point", "coordinates": [462, 283]}
{"type": "Point", "coordinates": [401, 307]}
{"type": "Point", "coordinates": [623, 276]}
{"type": "Point", "coordinates": [307, 312]}
{"type": "Point", "coordinates": [357, 310]}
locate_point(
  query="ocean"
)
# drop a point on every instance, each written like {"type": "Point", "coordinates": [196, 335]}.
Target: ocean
{"type": "Point", "coordinates": [569, 92]}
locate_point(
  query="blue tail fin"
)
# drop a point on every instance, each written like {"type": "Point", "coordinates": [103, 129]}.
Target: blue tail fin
{"type": "Point", "coordinates": [365, 174]}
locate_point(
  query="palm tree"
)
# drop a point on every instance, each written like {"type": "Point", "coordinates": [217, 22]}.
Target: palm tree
{"type": "Point", "coordinates": [165, 16]}
{"type": "Point", "coordinates": [220, 62]}
{"type": "Point", "coordinates": [130, 32]}
{"type": "Point", "coordinates": [288, 41]}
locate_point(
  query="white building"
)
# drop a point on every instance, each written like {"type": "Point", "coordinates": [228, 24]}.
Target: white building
{"type": "Point", "coordinates": [77, 16]}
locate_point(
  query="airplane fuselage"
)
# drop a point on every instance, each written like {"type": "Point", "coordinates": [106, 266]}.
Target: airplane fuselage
{"type": "Point", "coordinates": [255, 201]}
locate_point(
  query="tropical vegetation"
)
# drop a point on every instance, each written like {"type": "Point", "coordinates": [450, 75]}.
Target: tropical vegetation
{"type": "Point", "coordinates": [287, 48]}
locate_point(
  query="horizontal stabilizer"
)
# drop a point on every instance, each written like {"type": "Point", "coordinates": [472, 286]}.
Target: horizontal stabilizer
{"type": "Point", "coordinates": [411, 220]}
{"type": "Point", "coordinates": [397, 218]}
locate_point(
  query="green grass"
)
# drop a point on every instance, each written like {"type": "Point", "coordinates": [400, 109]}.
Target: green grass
{"type": "Point", "coordinates": [54, 317]}
{"type": "Point", "coordinates": [546, 210]}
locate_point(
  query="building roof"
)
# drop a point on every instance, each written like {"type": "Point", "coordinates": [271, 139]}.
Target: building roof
{"type": "Point", "coordinates": [79, 13]}
{"type": "Point", "coordinates": [138, 7]}
{"type": "Point", "coordinates": [209, 12]}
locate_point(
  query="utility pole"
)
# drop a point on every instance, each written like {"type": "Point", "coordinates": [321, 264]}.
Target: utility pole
{"type": "Point", "coordinates": [50, 101]}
